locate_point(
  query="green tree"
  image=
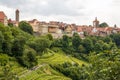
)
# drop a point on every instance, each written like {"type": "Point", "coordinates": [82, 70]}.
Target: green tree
{"type": "Point", "coordinates": [29, 58]}
{"type": "Point", "coordinates": [40, 44]}
{"type": "Point", "coordinates": [18, 46]}
{"type": "Point", "coordinates": [98, 47]}
{"type": "Point", "coordinates": [116, 38]}
{"type": "Point", "coordinates": [8, 40]}
{"type": "Point", "coordinates": [65, 41]}
{"type": "Point", "coordinates": [88, 45]}
{"type": "Point", "coordinates": [1, 41]}
{"type": "Point", "coordinates": [49, 36]}
{"type": "Point", "coordinates": [10, 24]}
{"type": "Point", "coordinates": [57, 43]}
{"type": "Point", "coordinates": [104, 24]}
{"type": "Point", "coordinates": [81, 49]}
{"type": "Point", "coordinates": [26, 27]}
{"type": "Point", "coordinates": [76, 41]}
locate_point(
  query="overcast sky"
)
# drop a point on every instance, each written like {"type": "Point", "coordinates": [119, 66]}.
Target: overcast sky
{"type": "Point", "coordinates": [70, 11]}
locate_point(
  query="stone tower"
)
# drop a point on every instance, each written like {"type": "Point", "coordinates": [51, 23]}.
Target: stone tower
{"type": "Point", "coordinates": [17, 15]}
{"type": "Point", "coordinates": [96, 23]}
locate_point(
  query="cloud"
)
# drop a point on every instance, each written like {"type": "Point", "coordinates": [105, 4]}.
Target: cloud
{"type": "Point", "coordinates": [46, 7]}
{"type": "Point", "coordinates": [13, 3]}
{"type": "Point", "coordinates": [74, 11]}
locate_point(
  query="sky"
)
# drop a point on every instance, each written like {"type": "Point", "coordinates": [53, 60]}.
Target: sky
{"type": "Point", "coordinates": [81, 12]}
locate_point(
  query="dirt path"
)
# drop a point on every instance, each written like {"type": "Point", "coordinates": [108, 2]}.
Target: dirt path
{"type": "Point", "coordinates": [31, 70]}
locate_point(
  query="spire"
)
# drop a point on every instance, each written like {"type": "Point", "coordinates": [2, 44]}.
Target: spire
{"type": "Point", "coordinates": [95, 22]}
{"type": "Point", "coordinates": [17, 15]}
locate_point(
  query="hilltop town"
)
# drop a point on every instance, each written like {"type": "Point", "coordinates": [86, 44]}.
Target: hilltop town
{"type": "Point", "coordinates": [38, 50]}
{"type": "Point", "coordinates": [58, 29]}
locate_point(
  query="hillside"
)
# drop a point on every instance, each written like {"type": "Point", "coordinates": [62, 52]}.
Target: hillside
{"type": "Point", "coordinates": [24, 56]}
{"type": "Point", "coordinates": [43, 71]}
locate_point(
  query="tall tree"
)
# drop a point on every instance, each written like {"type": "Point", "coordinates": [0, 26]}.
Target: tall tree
{"type": "Point", "coordinates": [65, 41]}
{"type": "Point", "coordinates": [76, 41]}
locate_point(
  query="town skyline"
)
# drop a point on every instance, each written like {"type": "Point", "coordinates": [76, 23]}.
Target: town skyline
{"type": "Point", "coordinates": [82, 13]}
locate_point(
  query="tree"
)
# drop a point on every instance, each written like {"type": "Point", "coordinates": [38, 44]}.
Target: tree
{"type": "Point", "coordinates": [1, 40]}
{"type": "Point", "coordinates": [116, 38]}
{"type": "Point", "coordinates": [10, 24]}
{"type": "Point", "coordinates": [8, 40]}
{"type": "Point", "coordinates": [26, 27]}
{"type": "Point", "coordinates": [49, 36]}
{"type": "Point", "coordinates": [40, 44]}
{"type": "Point", "coordinates": [18, 46]}
{"type": "Point", "coordinates": [65, 41]}
{"type": "Point", "coordinates": [29, 58]}
{"type": "Point", "coordinates": [81, 49]}
{"type": "Point", "coordinates": [88, 45]}
{"type": "Point", "coordinates": [76, 41]}
{"type": "Point", "coordinates": [104, 24]}
{"type": "Point", "coordinates": [104, 66]}
{"type": "Point", "coordinates": [98, 47]}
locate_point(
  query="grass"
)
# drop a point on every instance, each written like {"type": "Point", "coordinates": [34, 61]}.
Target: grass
{"type": "Point", "coordinates": [44, 73]}
{"type": "Point", "coordinates": [59, 58]}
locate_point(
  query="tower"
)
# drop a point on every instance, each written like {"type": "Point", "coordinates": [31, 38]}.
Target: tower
{"type": "Point", "coordinates": [17, 15]}
{"type": "Point", "coordinates": [96, 23]}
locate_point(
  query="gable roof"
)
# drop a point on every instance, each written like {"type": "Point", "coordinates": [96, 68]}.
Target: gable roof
{"type": "Point", "coordinates": [2, 15]}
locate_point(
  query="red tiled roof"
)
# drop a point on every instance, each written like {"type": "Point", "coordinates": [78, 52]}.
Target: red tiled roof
{"type": "Point", "coordinates": [2, 15]}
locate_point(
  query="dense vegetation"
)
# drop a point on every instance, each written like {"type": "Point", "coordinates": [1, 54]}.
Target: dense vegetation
{"type": "Point", "coordinates": [98, 58]}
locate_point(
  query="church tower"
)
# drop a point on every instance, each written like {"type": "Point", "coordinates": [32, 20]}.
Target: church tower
{"type": "Point", "coordinates": [96, 23]}
{"type": "Point", "coordinates": [17, 15]}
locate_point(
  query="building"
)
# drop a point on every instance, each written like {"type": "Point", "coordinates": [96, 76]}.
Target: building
{"type": "Point", "coordinates": [3, 18]}
{"type": "Point", "coordinates": [17, 15]}
{"type": "Point", "coordinates": [35, 25]}
{"type": "Point", "coordinates": [96, 23]}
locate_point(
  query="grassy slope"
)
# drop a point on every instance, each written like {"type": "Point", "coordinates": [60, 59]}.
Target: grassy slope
{"type": "Point", "coordinates": [59, 58]}
{"type": "Point", "coordinates": [45, 72]}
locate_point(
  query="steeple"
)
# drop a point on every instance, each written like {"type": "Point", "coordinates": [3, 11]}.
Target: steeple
{"type": "Point", "coordinates": [17, 15]}
{"type": "Point", "coordinates": [95, 22]}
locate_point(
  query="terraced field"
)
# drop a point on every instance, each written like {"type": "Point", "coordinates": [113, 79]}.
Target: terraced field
{"type": "Point", "coordinates": [59, 58]}
{"type": "Point", "coordinates": [43, 71]}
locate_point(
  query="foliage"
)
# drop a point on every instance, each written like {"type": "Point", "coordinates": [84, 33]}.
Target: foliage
{"type": "Point", "coordinates": [76, 41]}
{"type": "Point", "coordinates": [102, 66]}
{"type": "Point", "coordinates": [1, 40]}
{"type": "Point", "coordinates": [104, 24]}
{"type": "Point", "coordinates": [8, 74]}
{"type": "Point", "coordinates": [49, 36]}
{"type": "Point", "coordinates": [29, 58]}
{"type": "Point", "coordinates": [65, 41]}
{"type": "Point", "coordinates": [26, 27]}
{"type": "Point", "coordinates": [40, 44]}
{"type": "Point", "coordinates": [3, 59]}
{"type": "Point", "coordinates": [116, 39]}
{"type": "Point", "coordinates": [88, 45]}
{"type": "Point", "coordinates": [18, 46]}
{"type": "Point", "coordinates": [10, 24]}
